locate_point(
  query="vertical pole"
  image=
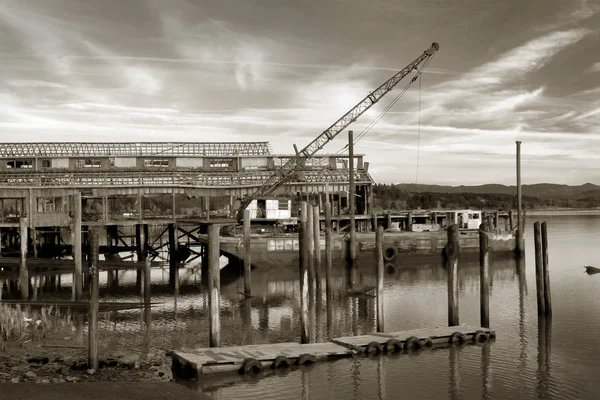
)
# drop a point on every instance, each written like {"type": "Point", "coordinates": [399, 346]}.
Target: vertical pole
{"type": "Point", "coordinates": [510, 219]}
{"type": "Point", "coordinates": [379, 244]}
{"type": "Point", "coordinates": [389, 220]}
{"type": "Point", "coordinates": [547, 297]}
{"type": "Point", "coordinates": [147, 281]}
{"type": "Point", "coordinates": [214, 285]}
{"type": "Point", "coordinates": [520, 224]}
{"type": "Point", "coordinates": [351, 199]}
{"type": "Point", "coordinates": [497, 220]}
{"type": "Point", "coordinates": [539, 268]}
{"type": "Point", "coordinates": [173, 205]}
{"type": "Point", "coordinates": [452, 252]}
{"type": "Point", "coordinates": [207, 205]}
{"type": "Point", "coordinates": [317, 245]}
{"type": "Point", "coordinates": [24, 272]}
{"type": "Point", "coordinates": [484, 283]}
{"type": "Point", "coordinates": [140, 204]}
{"type": "Point", "coordinates": [78, 281]}
{"type": "Point", "coordinates": [304, 254]}
{"type": "Point", "coordinates": [328, 270]}
{"type": "Point", "coordinates": [173, 250]}
{"type": "Point", "coordinates": [94, 299]}
{"type": "Point", "coordinates": [247, 260]}
{"type": "Point", "coordinates": [310, 244]}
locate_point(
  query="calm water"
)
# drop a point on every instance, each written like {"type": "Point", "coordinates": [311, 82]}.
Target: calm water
{"type": "Point", "coordinates": [558, 359]}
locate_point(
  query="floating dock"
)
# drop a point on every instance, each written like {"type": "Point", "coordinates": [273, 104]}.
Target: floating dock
{"type": "Point", "coordinates": [252, 359]}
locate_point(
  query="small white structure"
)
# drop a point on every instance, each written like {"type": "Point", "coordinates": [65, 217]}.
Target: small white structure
{"type": "Point", "coordinates": [272, 209]}
{"type": "Point", "coordinates": [465, 219]}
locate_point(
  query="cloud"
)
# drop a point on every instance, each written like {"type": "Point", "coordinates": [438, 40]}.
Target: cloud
{"type": "Point", "coordinates": [595, 67]}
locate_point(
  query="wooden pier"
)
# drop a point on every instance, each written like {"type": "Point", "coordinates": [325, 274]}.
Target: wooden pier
{"type": "Point", "coordinates": [254, 358]}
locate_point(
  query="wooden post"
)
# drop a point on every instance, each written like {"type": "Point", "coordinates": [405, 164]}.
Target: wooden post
{"type": "Point", "coordinates": [94, 299]}
{"type": "Point", "coordinates": [247, 260]}
{"type": "Point", "coordinates": [510, 219]}
{"type": "Point", "coordinates": [539, 268]}
{"type": "Point", "coordinates": [173, 250]}
{"type": "Point", "coordinates": [484, 275]}
{"type": "Point", "coordinates": [389, 220]}
{"type": "Point", "coordinates": [379, 244]}
{"type": "Point", "coordinates": [409, 222]}
{"type": "Point", "coordinates": [174, 205]}
{"type": "Point", "coordinates": [317, 246]}
{"type": "Point", "coordinates": [77, 243]}
{"type": "Point", "coordinates": [328, 271]}
{"type": "Point", "coordinates": [310, 243]}
{"type": "Point", "coordinates": [207, 205]}
{"type": "Point", "coordinates": [23, 271]}
{"type": "Point", "coordinates": [304, 254]}
{"type": "Point", "coordinates": [520, 245]}
{"type": "Point", "coordinates": [497, 220]}
{"type": "Point", "coordinates": [452, 252]}
{"type": "Point", "coordinates": [351, 197]}
{"type": "Point", "coordinates": [214, 285]}
{"type": "Point", "coordinates": [547, 296]}
{"type": "Point", "coordinates": [146, 276]}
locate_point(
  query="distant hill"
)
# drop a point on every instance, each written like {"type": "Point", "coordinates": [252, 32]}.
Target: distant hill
{"type": "Point", "coordinates": [539, 190]}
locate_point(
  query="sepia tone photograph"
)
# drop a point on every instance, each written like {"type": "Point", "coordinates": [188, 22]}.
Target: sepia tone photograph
{"type": "Point", "coordinates": [286, 199]}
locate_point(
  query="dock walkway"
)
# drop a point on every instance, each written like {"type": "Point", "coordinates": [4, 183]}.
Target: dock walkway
{"type": "Point", "coordinates": [254, 358]}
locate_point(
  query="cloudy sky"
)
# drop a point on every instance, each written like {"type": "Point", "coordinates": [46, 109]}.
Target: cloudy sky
{"type": "Point", "coordinates": [283, 71]}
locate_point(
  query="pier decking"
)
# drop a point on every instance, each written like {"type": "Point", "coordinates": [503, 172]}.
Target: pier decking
{"type": "Point", "coordinates": [212, 360]}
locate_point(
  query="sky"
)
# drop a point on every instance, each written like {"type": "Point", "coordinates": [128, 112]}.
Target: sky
{"type": "Point", "coordinates": [283, 72]}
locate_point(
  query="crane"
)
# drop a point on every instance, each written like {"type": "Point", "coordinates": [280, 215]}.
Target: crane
{"type": "Point", "coordinates": [290, 168]}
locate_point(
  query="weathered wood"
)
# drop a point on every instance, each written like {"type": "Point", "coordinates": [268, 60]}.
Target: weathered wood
{"type": "Point", "coordinates": [510, 219]}
{"type": "Point", "coordinates": [23, 270]}
{"type": "Point", "coordinates": [173, 253]}
{"type": "Point", "coordinates": [520, 245]}
{"type": "Point", "coordinates": [546, 268]}
{"type": "Point", "coordinates": [94, 307]}
{"type": "Point", "coordinates": [539, 268]}
{"type": "Point", "coordinates": [214, 285]}
{"type": "Point", "coordinates": [497, 220]}
{"type": "Point", "coordinates": [210, 360]}
{"type": "Point", "coordinates": [77, 243]}
{"type": "Point", "coordinates": [388, 220]}
{"type": "Point", "coordinates": [328, 271]}
{"type": "Point", "coordinates": [379, 244]}
{"type": "Point", "coordinates": [438, 335]}
{"type": "Point", "coordinates": [351, 196]}
{"type": "Point", "coordinates": [484, 276]}
{"type": "Point", "coordinates": [452, 253]}
{"type": "Point", "coordinates": [317, 247]}
{"type": "Point", "coordinates": [409, 222]}
{"type": "Point", "coordinates": [310, 243]}
{"type": "Point", "coordinates": [304, 255]}
{"type": "Point", "coordinates": [247, 260]}
{"type": "Point", "coordinates": [147, 280]}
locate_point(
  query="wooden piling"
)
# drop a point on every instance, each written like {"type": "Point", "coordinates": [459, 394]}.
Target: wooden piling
{"type": "Point", "coordinates": [77, 243]}
{"type": "Point", "coordinates": [484, 276]}
{"type": "Point", "coordinates": [247, 260]}
{"type": "Point", "coordinates": [351, 196]}
{"type": "Point", "coordinates": [452, 253]}
{"type": "Point", "coordinates": [173, 253]}
{"type": "Point", "coordinates": [409, 222]}
{"type": "Point", "coordinates": [510, 219]}
{"type": "Point", "coordinates": [328, 271]}
{"type": "Point", "coordinates": [388, 220]}
{"type": "Point", "coordinates": [214, 285]}
{"type": "Point", "coordinates": [379, 245]}
{"type": "Point", "coordinates": [93, 274]}
{"type": "Point", "coordinates": [146, 285]}
{"type": "Point", "coordinates": [304, 254]}
{"type": "Point", "coordinates": [310, 244]}
{"type": "Point", "coordinates": [547, 296]}
{"type": "Point", "coordinates": [497, 220]}
{"type": "Point", "coordinates": [23, 271]}
{"type": "Point", "coordinates": [520, 245]}
{"type": "Point", "coordinates": [539, 268]}
{"type": "Point", "coordinates": [317, 246]}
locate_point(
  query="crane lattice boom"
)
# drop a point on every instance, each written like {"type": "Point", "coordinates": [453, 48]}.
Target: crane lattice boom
{"type": "Point", "coordinates": [288, 170]}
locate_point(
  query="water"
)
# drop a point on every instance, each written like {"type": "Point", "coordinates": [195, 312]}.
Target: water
{"type": "Point", "coordinates": [555, 360]}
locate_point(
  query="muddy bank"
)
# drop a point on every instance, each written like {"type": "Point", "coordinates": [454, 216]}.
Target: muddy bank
{"type": "Point", "coordinates": [34, 363]}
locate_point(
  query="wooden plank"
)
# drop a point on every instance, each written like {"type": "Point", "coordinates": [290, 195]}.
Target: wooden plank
{"type": "Point", "coordinates": [209, 360]}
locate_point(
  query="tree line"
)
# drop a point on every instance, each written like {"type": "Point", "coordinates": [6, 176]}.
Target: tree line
{"type": "Point", "coordinates": [392, 197]}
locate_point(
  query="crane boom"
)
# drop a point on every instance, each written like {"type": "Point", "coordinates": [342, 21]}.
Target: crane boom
{"type": "Point", "coordinates": [287, 171]}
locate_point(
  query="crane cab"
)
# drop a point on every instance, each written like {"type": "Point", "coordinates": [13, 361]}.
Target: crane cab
{"type": "Point", "coordinates": [270, 209]}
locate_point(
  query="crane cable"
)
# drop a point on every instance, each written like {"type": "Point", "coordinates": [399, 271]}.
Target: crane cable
{"type": "Point", "coordinates": [392, 103]}
{"type": "Point", "coordinates": [419, 129]}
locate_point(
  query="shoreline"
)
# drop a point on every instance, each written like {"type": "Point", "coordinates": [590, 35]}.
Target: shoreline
{"type": "Point", "coordinates": [562, 212]}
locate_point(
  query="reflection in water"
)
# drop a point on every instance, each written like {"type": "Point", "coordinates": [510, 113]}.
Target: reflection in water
{"type": "Point", "coordinates": [454, 385]}
{"type": "Point", "coordinates": [522, 330]}
{"type": "Point", "coordinates": [486, 381]}
{"type": "Point", "coordinates": [544, 349]}
{"type": "Point", "coordinates": [381, 378]}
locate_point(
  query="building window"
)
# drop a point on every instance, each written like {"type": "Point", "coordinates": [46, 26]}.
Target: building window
{"type": "Point", "coordinates": [221, 163]}
{"type": "Point", "coordinates": [19, 164]}
{"type": "Point", "coordinates": [156, 163]}
{"type": "Point", "coordinates": [49, 204]}
{"type": "Point", "coordinates": [88, 163]}
{"type": "Point", "coordinates": [283, 205]}
{"type": "Point", "coordinates": [46, 163]}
